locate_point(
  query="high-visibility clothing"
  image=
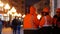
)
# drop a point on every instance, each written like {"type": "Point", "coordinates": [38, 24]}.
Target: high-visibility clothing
{"type": "Point", "coordinates": [32, 10]}
{"type": "Point", "coordinates": [30, 22]}
{"type": "Point", "coordinates": [46, 21]}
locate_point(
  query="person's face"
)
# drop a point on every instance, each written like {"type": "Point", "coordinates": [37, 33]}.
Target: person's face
{"type": "Point", "coordinates": [45, 13]}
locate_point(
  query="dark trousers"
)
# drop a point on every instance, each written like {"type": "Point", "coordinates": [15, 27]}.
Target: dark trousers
{"type": "Point", "coordinates": [18, 28]}
{"type": "Point", "coordinates": [30, 31]}
{"type": "Point", "coordinates": [14, 30]}
{"type": "Point", "coordinates": [0, 28]}
{"type": "Point", "coordinates": [56, 30]}
{"type": "Point", "coordinates": [0, 32]}
{"type": "Point", "coordinates": [45, 30]}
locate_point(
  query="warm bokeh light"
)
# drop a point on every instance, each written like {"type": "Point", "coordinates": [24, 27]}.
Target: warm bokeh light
{"type": "Point", "coordinates": [38, 16]}
{"type": "Point", "coordinates": [20, 14]}
{"type": "Point", "coordinates": [23, 16]}
{"type": "Point", "coordinates": [9, 12]}
{"type": "Point", "coordinates": [13, 9]}
{"type": "Point", "coordinates": [12, 12]}
{"type": "Point", "coordinates": [15, 14]}
{"type": "Point", "coordinates": [5, 15]}
{"type": "Point", "coordinates": [7, 6]}
{"type": "Point", "coordinates": [1, 4]}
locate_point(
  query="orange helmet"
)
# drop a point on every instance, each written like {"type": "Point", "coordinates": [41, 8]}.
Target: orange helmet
{"type": "Point", "coordinates": [32, 9]}
{"type": "Point", "coordinates": [58, 10]}
{"type": "Point", "coordinates": [46, 9]}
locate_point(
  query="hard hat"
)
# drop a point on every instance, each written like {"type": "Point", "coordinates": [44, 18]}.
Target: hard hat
{"type": "Point", "coordinates": [46, 9]}
{"type": "Point", "coordinates": [58, 10]}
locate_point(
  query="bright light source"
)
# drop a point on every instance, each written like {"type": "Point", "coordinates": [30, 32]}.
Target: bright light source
{"type": "Point", "coordinates": [21, 25]}
{"type": "Point", "coordinates": [23, 16]}
{"type": "Point", "coordinates": [5, 15]}
{"type": "Point", "coordinates": [15, 14]}
{"type": "Point", "coordinates": [7, 6]}
{"type": "Point", "coordinates": [38, 17]}
{"type": "Point", "coordinates": [13, 9]}
{"type": "Point", "coordinates": [1, 4]}
{"type": "Point", "coordinates": [19, 18]}
{"type": "Point", "coordinates": [9, 12]}
{"type": "Point", "coordinates": [19, 15]}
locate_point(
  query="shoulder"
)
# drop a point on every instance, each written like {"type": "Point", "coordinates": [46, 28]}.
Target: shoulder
{"type": "Point", "coordinates": [28, 15]}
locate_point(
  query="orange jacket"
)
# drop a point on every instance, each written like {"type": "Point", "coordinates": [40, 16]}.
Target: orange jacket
{"type": "Point", "coordinates": [43, 21]}
{"type": "Point", "coordinates": [30, 22]}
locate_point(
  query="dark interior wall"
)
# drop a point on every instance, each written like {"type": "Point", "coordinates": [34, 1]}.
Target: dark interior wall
{"type": "Point", "coordinates": [28, 3]}
{"type": "Point", "coordinates": [42, 4]}
{"type": "Point", "coordinates": [31, 2]}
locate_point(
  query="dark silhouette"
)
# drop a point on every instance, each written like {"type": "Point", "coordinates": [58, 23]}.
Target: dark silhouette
{"type": "Point", "coordinates": [19, 25]}
{"type": "Point", "coordinates": [0, 25]}
{"type": "Point", "coordinates": [14, 25]}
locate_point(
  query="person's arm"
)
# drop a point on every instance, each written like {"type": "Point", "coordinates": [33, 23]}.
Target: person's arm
{"type": "Point", "coordinates": [42, 22]}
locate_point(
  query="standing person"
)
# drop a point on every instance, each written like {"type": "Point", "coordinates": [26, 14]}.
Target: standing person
{"type": "Point", "coordinates": [19, 25]}
{"type": "Point", "coordinates": [46, 22]}
{"type": "Point", "coordinates": [14, 25]}
{"type": "Point", "coordinates": [0, 25]}
{"type": "Point", "coordinates": [31, 22]}
{"type": "Point", "coordinates": [56, 21]}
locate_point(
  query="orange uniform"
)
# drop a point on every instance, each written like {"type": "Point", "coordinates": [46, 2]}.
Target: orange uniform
{"type": "Point", "coordinates": [46, 21]}
{"type": "Point", "coordinates": [31, 21]}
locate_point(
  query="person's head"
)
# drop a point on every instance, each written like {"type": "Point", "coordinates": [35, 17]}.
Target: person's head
{"type": "Point", "coordinates": [32, 10]}
{"type": "Point", "coordinates": [58, 11]}
{"type": "Point", "coordinates": [15, 17]}
{"type": "Point", "coordinates": [46, 11]}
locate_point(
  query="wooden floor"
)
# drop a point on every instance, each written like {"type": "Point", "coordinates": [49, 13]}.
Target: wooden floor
{"type": "Point", "coordinates": [9, 31]}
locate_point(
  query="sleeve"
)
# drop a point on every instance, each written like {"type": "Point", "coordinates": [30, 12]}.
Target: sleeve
{"type": "Point", "coordinates": [42, 22]}
{"type": "Point", "coordinates": [36, 21]}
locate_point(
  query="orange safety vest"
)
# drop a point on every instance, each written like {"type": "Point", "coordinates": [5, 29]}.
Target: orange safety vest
{"type": "Point", "coordinates": [30, 22]}
{"type": "Point", "coordinates": [46, 21]}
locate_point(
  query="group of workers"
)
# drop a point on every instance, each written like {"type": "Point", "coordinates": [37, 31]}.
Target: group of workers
{"type": "Point", "coordinates": [46, 25]}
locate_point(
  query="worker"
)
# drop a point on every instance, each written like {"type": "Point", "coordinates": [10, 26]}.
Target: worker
{"type": "Point", "coordinates": [46, 22]}
{"type": "Point", "coordinates": [31, 22]}
{"type": "Point", "coordinates": [56, 22]}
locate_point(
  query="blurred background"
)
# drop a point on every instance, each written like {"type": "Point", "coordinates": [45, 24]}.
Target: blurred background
{"type": "Point", "coordinates": [11, 8]}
